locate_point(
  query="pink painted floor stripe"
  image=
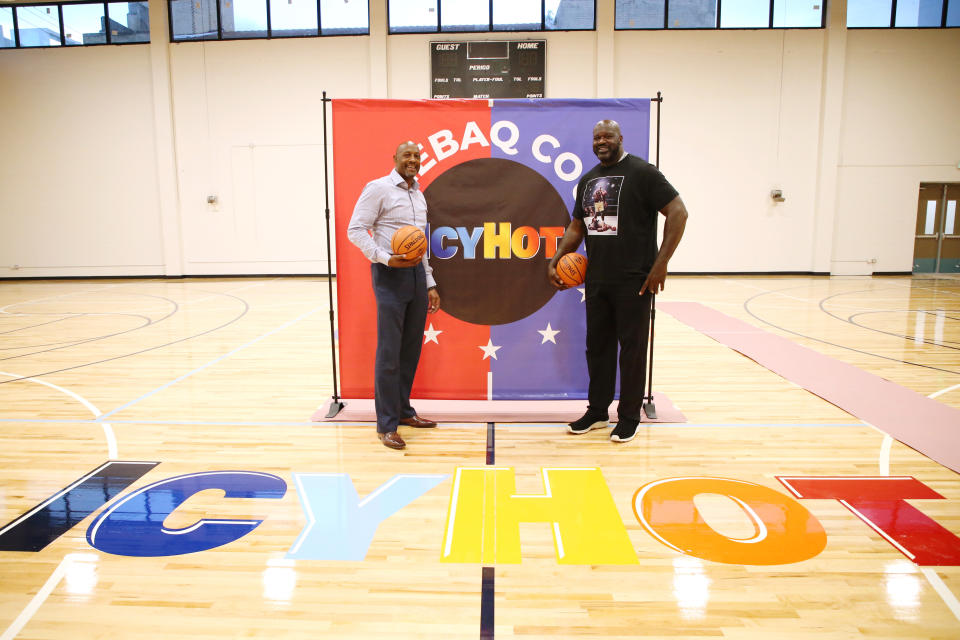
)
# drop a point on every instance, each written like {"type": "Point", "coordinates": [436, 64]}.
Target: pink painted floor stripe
{"type": "Point", "coordinates": [930, 427]}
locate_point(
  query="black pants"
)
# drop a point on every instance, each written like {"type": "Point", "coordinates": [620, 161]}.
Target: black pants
{"type": "Point", "coordinates": [617, 314]}
{"type": "Point", "coordinates": [401, 314]}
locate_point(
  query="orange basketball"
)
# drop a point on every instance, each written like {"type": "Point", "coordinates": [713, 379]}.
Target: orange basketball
{"type": "Point", "coordinates": [572, 268]}
{"type": "Point", "coordinates": [409, 240]}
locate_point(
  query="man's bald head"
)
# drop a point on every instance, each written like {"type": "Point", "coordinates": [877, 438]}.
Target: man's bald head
{"type": "Point", "coordinates": [609, 125]}
{"type": "Point", "coordinates": [405, 143]}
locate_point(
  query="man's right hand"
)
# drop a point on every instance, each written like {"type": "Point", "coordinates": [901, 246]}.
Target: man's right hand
{"type": "Point", "coordinates": [571, 239]}
{"type": "Point", "coordinates": [400, 260]}
{"type": "Point", "coordinates": [554, 278]}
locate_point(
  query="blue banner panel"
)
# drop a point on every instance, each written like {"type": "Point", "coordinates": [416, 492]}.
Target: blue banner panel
{"type": "Point", "coordinates": [542, 356]}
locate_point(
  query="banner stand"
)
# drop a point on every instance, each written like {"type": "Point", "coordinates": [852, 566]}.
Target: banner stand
{"type": "Point", "coordinates": [649, 408]}
{"type": "Point", "coordinates": [336, 405]}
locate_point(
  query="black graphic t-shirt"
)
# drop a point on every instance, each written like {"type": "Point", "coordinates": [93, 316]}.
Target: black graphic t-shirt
{"type": "Point", "coordinates": [619, 206]}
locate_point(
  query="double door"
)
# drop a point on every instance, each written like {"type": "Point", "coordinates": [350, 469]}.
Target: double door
{"type": "Point", "coordinates": [936, 246]}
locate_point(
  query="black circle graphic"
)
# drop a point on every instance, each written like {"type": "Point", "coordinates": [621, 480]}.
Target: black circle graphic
{"type": "Point", "coordinates": [507, 287]}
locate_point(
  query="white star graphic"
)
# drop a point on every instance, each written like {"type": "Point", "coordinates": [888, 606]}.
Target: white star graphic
{"type": "Point", "coordinates": [583, 294]}
{"type": "Point", "coordinates": [549, 334]}
{"type": "Point", "coordinates": [489, 351]}
{"type": "Point", "coordinates": [430, 334]}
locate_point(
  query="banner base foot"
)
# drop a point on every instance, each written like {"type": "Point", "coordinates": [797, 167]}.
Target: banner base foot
{"type": "Point", "coordinates": [335, 408]}
{"type": "Point", "coordinates": [651, 410]}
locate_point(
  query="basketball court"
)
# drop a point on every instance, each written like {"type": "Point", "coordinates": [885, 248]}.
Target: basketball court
{"type": "Point", "coordinates": [136, 413]}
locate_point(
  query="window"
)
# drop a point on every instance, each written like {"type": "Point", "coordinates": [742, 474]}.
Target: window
{"type": "Point", "coordinates": [129, 21]}
{"type": "Point", "coordinates": [74, 24]}
{"type": "Point", "coordinates": [38, 26]}
{"type": "Point", "coordinates": [464, 15]}
{"type": "Point", "coordinates": [868, 13]}
{"type": "Point", "coordinates": [293, 18]}
{"type": "Point", "coordinates": [918, 13]}
{"type": "Point", "coordinates": [519, 15]}
{"type": "Point", "coordinates": [740, 14]}
{"type": "Point", "coordinates": [640, 14]}
{"type": "Point", "coordinates": [884, 14]}
{"type": "Point", "coordinates": [953, 14]}
{"type": "Point", "coordinates": [344, 17]}
{"type": "Point", "coordinates": [570, 15]}
{"type": "Point", "coordinates": [797, 13]}
{"type": "Point", "coordinates": [445, 16]}
{"type": "Point", "coordinates": [7, 36]}
{"type": "Point", "coordinates": [412, 16]}
{"type": "Point", "coordinates": [692, 14]}
{"type": "Point", "coordinates": [193, 20]}
{"type": "Point", "coordinates": [243, 18]}
{"type": "Point", "coordinates": [84, 24]}
{"type": "Point", "coordinates": [733, 14]}
{"type": "Point", "coordinates": [235, 19]}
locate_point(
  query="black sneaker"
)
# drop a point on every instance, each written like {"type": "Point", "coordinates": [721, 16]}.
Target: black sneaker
{"type": "Point", "coordinates": [625, 430]}
{"type": "Point", "coordinates": [588, 422]}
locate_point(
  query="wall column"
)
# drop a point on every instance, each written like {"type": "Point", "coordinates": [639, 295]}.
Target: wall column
{"type": "Point", "coordinates": [831, 128]}
{"type": "Point", "coordinates": [605, 49]}
{"type": "Point", "coordinates": [379, 87]}
{"type": "Point", "coordinates": [164, 142]}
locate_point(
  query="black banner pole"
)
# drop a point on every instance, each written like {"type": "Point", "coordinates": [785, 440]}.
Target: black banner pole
{"type": "Point", "coordinates": [649, 408]}
{"type": "Point", "coordinates": [335, 404]}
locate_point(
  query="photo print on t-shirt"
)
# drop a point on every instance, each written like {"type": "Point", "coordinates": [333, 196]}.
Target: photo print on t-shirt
{"type": "Point", "coordinates": [601, 202]}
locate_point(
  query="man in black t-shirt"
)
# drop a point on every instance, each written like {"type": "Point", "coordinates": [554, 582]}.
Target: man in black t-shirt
{"type": "Point", "coordinates": [624, 270]}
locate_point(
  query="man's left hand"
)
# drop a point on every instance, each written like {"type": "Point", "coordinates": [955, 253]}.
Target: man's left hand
{"type": "Point", "coordinates": [655, 280]}
{"type": "Point", "coordinates": [433, 301]}
{"type": "Point", "coordinates": [401, 261]}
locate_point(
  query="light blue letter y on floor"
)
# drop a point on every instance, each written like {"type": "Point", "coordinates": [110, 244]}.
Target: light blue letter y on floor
{"type": "Point", "coordinates": [339, 525]}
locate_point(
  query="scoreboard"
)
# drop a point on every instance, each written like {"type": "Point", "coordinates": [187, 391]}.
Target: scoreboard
{"type": "Point", "coordinates": [488, 69]}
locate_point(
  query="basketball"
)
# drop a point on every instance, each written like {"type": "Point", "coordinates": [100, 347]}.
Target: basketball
{"type": "Point", "coordinates": [409, 240]}
{"type": "Point", "coordinates": [572, 268]}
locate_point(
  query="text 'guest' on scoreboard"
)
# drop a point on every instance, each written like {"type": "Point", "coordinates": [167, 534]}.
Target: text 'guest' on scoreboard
{"type": "Point", "coordinates": [488, 69]}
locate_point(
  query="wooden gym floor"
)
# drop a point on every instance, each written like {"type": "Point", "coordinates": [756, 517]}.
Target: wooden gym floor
{"type": "Point", "coordinates": [214, 375]}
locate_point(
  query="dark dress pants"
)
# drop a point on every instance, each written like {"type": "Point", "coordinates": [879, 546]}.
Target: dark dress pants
{"type": "Point", "coordinates": [401, 314]}
{"type": "Point", "coordinates": [617, 314]}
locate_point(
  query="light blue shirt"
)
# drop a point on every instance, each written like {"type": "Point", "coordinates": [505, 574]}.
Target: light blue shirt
{"type": "Point", "coordinates": [385, 205]}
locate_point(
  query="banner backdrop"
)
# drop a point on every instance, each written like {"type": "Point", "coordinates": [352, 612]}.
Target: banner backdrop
{"type": "Point", "coordinates": [499, 177]}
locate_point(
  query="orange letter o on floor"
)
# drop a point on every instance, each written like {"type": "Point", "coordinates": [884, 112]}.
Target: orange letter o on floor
{"type": "Point", "coordinates": [784, 531]}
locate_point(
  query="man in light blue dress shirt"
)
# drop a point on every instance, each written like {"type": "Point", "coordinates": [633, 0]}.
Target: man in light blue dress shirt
{"type": "Point", "coordinates": [404, 288]}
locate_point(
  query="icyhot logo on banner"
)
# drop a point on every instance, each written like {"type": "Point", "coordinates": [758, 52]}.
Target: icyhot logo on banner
{"type": "Point", "coordinates": [499, 178]}
{"type": "Point", "coordinates": [493, 225]}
